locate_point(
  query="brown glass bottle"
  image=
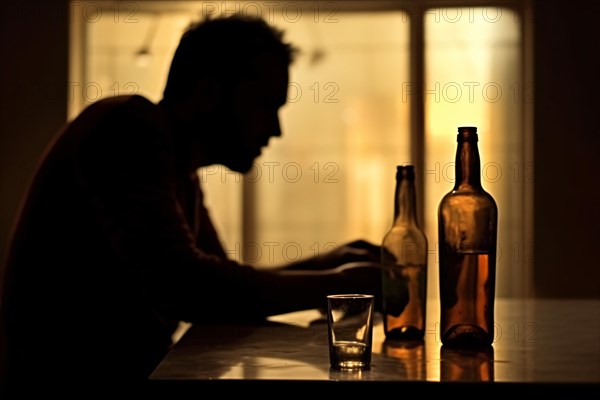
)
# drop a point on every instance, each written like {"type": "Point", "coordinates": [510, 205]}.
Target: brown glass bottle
{"type": "Point", "coordinates": [404, 261]}
{"type": "Point", "coordinates": [467, 227]}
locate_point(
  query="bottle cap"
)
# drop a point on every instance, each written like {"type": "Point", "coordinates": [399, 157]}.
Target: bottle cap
{"type": "Point", "coordinates": [405, 171]}
{"type": "Point", "coordinates": [467, 133]}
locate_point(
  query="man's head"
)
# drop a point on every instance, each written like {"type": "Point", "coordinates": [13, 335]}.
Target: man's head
{"type": "Point", "coordinates": [228, 79]}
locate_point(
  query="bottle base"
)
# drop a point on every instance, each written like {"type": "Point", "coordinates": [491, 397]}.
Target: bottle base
{"type": "Point", "coordinates": [408, 333]}
{"type": "Point", "coordinates": [466, 336]}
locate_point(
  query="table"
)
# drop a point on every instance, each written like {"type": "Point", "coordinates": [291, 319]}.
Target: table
{"type": "Point", "coordinates": [551, 344]}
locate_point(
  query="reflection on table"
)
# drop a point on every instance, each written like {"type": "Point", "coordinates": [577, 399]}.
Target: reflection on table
{"type": "Point", "coordinates": [536, 341]}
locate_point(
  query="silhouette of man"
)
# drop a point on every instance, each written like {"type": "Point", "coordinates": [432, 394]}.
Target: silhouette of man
{"type": "Point", "coordinates": [113, 246]}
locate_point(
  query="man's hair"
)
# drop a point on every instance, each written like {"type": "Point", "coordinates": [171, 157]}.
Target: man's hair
{"type": "Point", "coordinates": [223, 48]}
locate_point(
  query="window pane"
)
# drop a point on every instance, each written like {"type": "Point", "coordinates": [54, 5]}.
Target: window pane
{"type": "Point", "coordinates": [330, 178]}
{"type": "Point", "coordinates": [473, 78]}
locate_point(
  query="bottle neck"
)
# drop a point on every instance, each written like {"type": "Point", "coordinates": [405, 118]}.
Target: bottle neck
{"type": "Point", "coordinates": [468, 165]}
{"type": "Point", "coordinates": [405, 207]}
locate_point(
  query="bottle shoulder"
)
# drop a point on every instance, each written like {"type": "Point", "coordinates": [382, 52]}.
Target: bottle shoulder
{"type": "Point", "coordinates": [404, 233]}
{"type": "Point", "coordinates": [458, 197]}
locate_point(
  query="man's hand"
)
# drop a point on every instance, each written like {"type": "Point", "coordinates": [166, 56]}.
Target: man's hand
{"type": "Point", "coordinates": [352, 252]}
{"type": "Point", "coordinates": [362, 277]}
{"type": "Point", "coordinates": [357, 251]}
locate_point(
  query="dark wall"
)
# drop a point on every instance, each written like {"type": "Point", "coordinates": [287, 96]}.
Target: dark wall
{"type": "Point", "coordinates": [34, 60]}
{"type": "Point", "coordinates": [567, 148]}
{"type": "Point", "coordinates": [33, 95]}
{"type": "Point", "coordinates": [33, 99]}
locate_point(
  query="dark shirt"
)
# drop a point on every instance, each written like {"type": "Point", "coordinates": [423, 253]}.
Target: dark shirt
{"type": "Point", "coordinates": [112, 248]}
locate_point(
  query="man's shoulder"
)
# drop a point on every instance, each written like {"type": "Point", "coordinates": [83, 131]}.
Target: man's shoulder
{"type": "Point", "coordinates": [119, 113]}
{"type": "Point", "coordinates": [123, 129]}
{"type": "Point", "coordinates": [129, 104]}
{"type": "Point", "coordinates": [131, 121]}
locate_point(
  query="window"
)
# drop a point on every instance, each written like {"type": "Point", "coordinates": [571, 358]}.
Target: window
{"type": "Point", "coordinates": [377, 84]}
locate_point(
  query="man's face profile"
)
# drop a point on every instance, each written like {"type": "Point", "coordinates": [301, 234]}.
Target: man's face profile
{"type": "Point", "coordinates": [251, 118]}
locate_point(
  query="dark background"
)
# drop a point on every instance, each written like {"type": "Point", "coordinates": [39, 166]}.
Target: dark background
{"type": "Point", "coordinates": [33, 100]}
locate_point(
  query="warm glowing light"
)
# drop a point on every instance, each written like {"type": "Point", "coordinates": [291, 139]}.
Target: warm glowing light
{"type": "Point", "coordinates": [471, 79]}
